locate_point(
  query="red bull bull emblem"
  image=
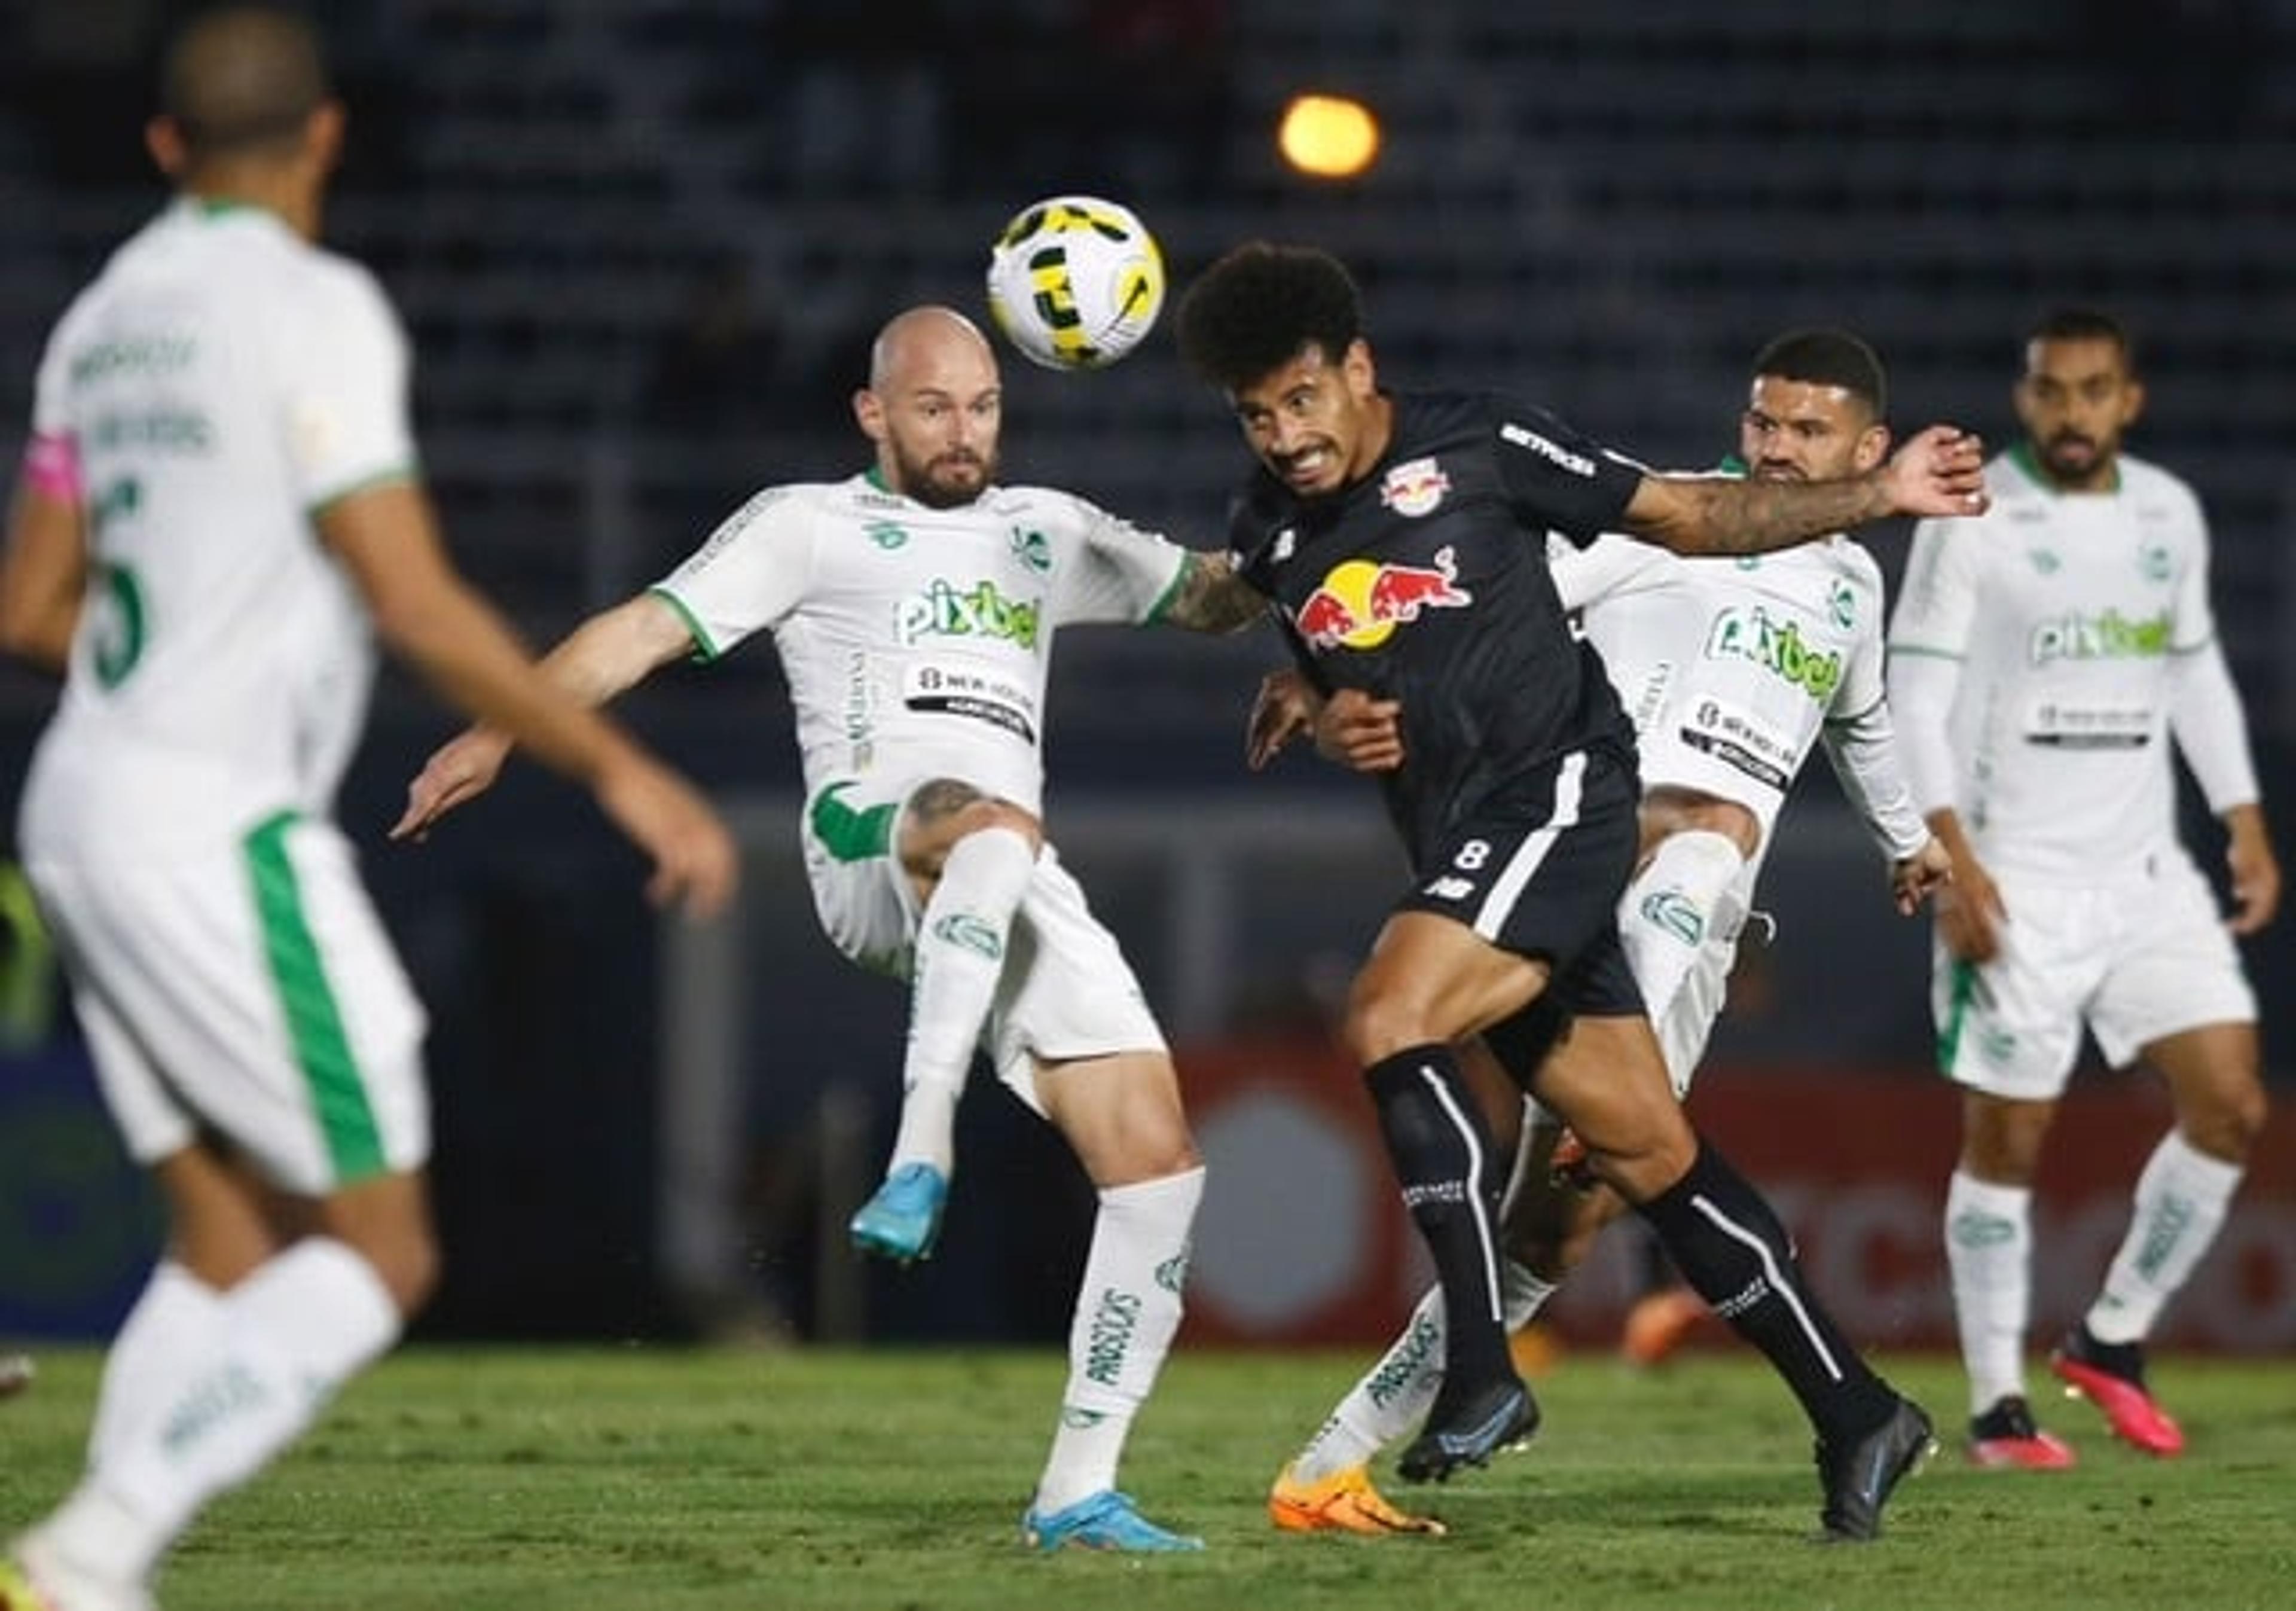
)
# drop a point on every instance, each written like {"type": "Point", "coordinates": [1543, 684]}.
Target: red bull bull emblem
{"type": "Point", "coordinates": [1415, 489]}
{"type": "Point", "coordinates": [1360, 603]}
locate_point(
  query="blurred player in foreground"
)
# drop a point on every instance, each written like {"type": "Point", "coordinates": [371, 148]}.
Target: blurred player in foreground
{"type": "Point", "coordinates": [221, 511]}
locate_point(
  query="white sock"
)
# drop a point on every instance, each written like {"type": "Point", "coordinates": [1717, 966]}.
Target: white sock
{"type": "Point", "coordinates": [2181, 1198]}
{"type": "Point", "coordinates": [1668, 909]}
{"type": "Point", "coordinates": [1126, 1312]}
{"type": "Point", "coordinates": [1394, 1396]}
{"type": "Point", "coordinates": [1387, 1402]}
{"type": "Point", "coordinates": [1989, 1243]}
{"type": "Point", "coordinates": [176, 1314]}
{"type": "Point", "coordinates": [960, 955]}
{"type": "Point", "coordinates": [1523, 1293]}
{"type": "Point", "coordinates": [291, 1335]}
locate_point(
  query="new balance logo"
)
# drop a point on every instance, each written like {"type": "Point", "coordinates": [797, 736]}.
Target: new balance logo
{"type": "Point", "coordinates": [1451, 889]}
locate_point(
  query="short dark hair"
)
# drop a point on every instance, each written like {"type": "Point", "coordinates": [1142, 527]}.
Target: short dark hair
{"type": "Point", "coordinates": [1255, 310]}
{"type": "Point", "coordinates": [1828, 357]}
{"type": "Point", "coordinates": [238, 78]}
{"type": "Point", "coordinates": [2079, 324]}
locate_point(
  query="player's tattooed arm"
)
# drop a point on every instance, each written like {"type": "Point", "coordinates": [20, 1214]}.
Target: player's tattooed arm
{"type": "Point", "coordinates": [1938, 472]}
{"type": "Point", "coordinates": [1713, 514]}
{"type": "Point", "coordinates": [1210, 596]}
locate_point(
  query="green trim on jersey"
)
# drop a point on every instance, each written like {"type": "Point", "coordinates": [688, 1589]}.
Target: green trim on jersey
{"type": "Point", "coordinates": [314, 1023]}
{"type": "Point", "coordinates": [1924, 652]}
{"type": "Point", "coordinates": [704, 650]}
{"type": "Point", "coordinates": [396, 475]}
{"type": "Point", "coordinates": [1171, 589]}
{"type": "Point", "coordinates": [851, 836]}
{"type": "Point", "coordinates": [1959, 993]}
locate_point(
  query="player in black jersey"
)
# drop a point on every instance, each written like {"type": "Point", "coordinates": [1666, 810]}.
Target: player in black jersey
{"type": "Point", "coordinates": [1402, 539]}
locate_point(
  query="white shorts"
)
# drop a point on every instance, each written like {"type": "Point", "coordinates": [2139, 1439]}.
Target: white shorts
{"type": "Point", "coordinates": [2135, 960]}
{"type": "Point", "coordinates": [247, 989]}
{"type": "Point", "coordinates": [1688, 1024]}
{"type": "Point", "coordinates": [1067, 991]}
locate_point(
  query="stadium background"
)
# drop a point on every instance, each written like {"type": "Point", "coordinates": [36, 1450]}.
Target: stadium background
{"type": "Point", "coordinates": [641, 247]}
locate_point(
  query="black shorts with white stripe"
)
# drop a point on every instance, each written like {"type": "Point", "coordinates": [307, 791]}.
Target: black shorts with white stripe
{"type": "Point", "coordinates": [1538, 871]}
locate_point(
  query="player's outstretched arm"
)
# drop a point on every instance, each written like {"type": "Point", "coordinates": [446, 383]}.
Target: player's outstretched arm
{"type": "Point", "coordinates": [388, 539]}
{"type": "Point", "coordinates": [1940, 472]}
{"type": "Point", "coordinates": [1210, 596]}
{"type": "Point", "coordinates": [612, 650]}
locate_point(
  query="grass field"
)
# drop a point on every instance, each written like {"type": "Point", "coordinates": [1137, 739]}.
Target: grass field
{"type": "Point", "coordinates": [566, 1481]}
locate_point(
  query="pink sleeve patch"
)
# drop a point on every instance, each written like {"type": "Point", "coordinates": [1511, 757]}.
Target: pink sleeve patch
{"type": "Point", "coordinates": [53, 464]}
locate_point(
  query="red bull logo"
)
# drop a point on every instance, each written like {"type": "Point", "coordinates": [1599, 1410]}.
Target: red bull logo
{"type": "Point", "coordinates": [1360, 603]}
{"type": "Point", "coordinates": [1416, 488]}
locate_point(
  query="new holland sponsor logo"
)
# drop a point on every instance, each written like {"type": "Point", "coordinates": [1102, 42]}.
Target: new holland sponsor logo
{"type": "Point", "coordinates": [1553, 452]}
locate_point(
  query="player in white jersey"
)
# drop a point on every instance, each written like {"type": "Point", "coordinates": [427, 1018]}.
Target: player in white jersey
{"type": "Point", "coordinates": [2041, 660]}
{"type": "Point", "coordinates": [1735, 671]}
{"type": "Point", "coordinates": [914, 607]}
{"type": "Point", "coordinates": [220, 512]}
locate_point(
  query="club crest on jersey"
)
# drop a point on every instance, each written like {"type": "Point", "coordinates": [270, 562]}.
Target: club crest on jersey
{"type": "Point", "coordinates": [1360, 601]}
{"type": "Point", "coordinates": [1415, 488]}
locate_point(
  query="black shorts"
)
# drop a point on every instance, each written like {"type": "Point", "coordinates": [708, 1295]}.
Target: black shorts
{"type": "Point", "coordinates": [1538, 871]}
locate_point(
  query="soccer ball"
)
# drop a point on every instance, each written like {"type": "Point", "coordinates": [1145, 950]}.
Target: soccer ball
{"type": "Point", "coordinates": [1075, 281]}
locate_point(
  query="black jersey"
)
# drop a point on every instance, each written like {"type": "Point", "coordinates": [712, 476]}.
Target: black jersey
{"type": "Point", "coordinates": [1426, 582]}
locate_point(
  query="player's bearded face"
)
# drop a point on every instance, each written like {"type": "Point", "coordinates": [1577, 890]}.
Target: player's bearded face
{"type": "Point", "coordinates": [1802, 431]}
{"type": "Point", "coordinates": [942, 477]}
{"type": "Point", "coordinates": [2076, 400]}
{"type": "Point", "coordinates": [943, 455]}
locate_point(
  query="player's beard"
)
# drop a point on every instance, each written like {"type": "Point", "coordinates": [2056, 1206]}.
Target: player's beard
{"type": "Point", "coordinates": [2078, 465]}
{"type": "Point", "coordinates": [946, 480]}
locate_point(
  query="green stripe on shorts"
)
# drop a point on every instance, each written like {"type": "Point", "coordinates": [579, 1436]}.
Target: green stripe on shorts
{"type": "Point", "coordinates": [851, 836]}
{"type": "Point", "coordinates": [1961, 988]}
{"type": "Point", "coordinates": [314, 1024]}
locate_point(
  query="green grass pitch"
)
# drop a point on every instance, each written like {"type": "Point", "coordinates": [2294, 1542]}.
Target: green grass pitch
{"type": "Point", "coordinates": [556, 1480]}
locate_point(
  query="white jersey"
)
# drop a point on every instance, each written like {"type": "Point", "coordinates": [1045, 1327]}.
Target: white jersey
{"type": "Point", "coordinates": [219, 381]}
{"type": "Point", "coordinates": [1733, 670]}
{"type": "Point", "coordinates": [916, 640]}
{"type": "Point", "coordinates": [2063, 612]}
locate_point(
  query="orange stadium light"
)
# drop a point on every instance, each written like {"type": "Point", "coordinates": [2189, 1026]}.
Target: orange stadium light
{"type": "Point", "coordinates": [1329, 137]}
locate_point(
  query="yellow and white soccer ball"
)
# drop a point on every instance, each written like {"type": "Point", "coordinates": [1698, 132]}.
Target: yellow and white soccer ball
{"type": "Point", "coordinates": [1075, 281]}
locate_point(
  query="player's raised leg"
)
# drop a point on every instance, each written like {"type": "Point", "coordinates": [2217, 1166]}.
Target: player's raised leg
{"type": "Point", "coordinates": [970, 859]}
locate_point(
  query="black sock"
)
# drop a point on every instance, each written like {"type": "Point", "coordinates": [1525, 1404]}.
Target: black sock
{"type": "Point", "coordinates": [1732, 1249]}
{"type": "Point", "coordinates": [1441, 1150]}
